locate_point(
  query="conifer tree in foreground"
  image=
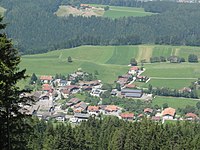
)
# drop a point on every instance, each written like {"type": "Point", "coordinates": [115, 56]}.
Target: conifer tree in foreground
{"type": "Point", "coordinates": [12, 122]}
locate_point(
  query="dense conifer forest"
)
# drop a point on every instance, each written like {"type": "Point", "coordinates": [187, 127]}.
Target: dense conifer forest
{"type": "Point", "coordinates": [36, 29]}
{"type": "Point", "coordinates": [111, 133]}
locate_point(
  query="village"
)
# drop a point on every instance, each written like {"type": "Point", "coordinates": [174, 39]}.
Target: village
{"type": "Point", "coordinates": [50, 105]}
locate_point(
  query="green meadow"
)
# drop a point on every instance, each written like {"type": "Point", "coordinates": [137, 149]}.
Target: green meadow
{"type": "Point", "coordinates": [174, 102]}
{"type": "Point", "coordinates": [117, 11]}
{"type": "Point", "coordinates": [111, 61]}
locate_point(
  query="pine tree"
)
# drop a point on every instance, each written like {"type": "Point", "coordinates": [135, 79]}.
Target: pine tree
{"type": "Point", "coordinates": [12, 124]}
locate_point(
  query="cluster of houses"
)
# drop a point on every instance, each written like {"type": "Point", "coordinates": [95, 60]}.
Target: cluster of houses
{"type": "Point", "coordinates": [47, 105]}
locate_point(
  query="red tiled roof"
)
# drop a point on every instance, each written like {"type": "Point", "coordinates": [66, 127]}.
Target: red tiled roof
{"type": "Point", "coordinates": [71, 87]}
{"type": "Point", "coordinates": [93, 108]}
{"type": "Point", "coordinates": [169, 111]}
{"type": "Point", "coordinates": [46, 87]}
{"type": "Point", "coordinates": [148, 110]}
{"type": "Point", "coordinates": [134, 68]}
{"type": "Point", "coordinates": [111, 108]}
{"type": "Point", "coordinates": [191, 115]}
{"type": "Point", "coordinates": [127, 115]}
{"type": "Point", "coordinates": [140, 115]}
{"type": "Point", "coordinates": [130, 86]}
{"type": "Point", "coordinates": [65, 91]}
{"type": "Point", "coordinates": [46, 78]}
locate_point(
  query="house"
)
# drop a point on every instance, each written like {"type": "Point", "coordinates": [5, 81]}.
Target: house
{"type": "Point", "coordinates": [122, 81]}
{"type": "Point", "coordinates": [132, 93]}
{"type": "Point", "coordinates": [47, 88]}
{"type": "Point", "coordinates": [168, 113]}
{"type": "Point", "coordinates": [80, 107]}
{"type": "Point", "coordinates": [133, 70]}
{"type": "Point", "coordinates": [127, 116]}
{"type": "Point", "coordinates": [93, 110]}
{"type": "Point", "coordinates": [111, 108]}
{"type": "Point", "coordinates": [96, 92]}
{"type": "Point", "coordinates": [87, 88]}
{"type": "Point", "coordinates": [81, 117]}
{"type": "Point", "coordinates": [46, 79]}
{"type": "Point", "coordinates": [90, 83]}
{"type": "Point", "coordinates": [65, 93]}
{"type": "Point", "coordinates": [130, 86]}
{"type": "Point", "coordinates": [74, 100]}
{"type": "Point", "coordinates": [59, 117]}
{"type": "Point", "coordinates": [62, 83]}
{"type": "Point", "coordinates": [142, 78]}
{"type": "Point", "coordinates": [72, 88]}
{"type": "Point", "coordinates": [191, 116]}
{"type": "Point", "coordinates": [148, 111]}
{"type": "Point", "coordinates": [174, 59]}
{"type": "Point", "coordinates": [156, 118]}
{"type": "Point", "coordinates": [185, 90]}
{"type": "Point", "coordinates": [113, 92]}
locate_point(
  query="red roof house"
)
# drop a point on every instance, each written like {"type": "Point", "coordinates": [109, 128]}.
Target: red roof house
{"type": "Point", "coordinates": [127, 116]}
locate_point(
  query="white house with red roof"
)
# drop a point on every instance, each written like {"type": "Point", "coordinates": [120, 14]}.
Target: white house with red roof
{"type": "Point", "coordinates": [133, 70]}
{"type": "Point", "coordinates": [46, 79]}
{"type": "Point", "coordinates": [93, 110]}
{"type": "Point", "coordinates": [168, 113]}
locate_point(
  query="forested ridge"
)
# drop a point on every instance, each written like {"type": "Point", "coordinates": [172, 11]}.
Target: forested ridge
{"type": "Point", "coordinates": [111, 133]}
{"type": "Point", "coordinates": [36, 28]}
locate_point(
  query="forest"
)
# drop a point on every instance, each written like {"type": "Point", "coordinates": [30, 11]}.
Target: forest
{"type": "Point", "coordinates": [110, 133]}
{"type": "Point", "coordinates": [36, 29]}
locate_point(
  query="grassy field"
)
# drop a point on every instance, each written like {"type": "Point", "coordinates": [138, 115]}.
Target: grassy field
{"type": "Point", "coordinates": [117, 12]}
{"type": "Point", "coordinates": [173, 102]}
{"type": "Point", "coordinates": [111, 61]}
{"type": "Point", "coordinates": [170, 83]}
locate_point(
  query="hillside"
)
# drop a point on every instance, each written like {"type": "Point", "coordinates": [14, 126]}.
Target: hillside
{"type": "Point", "coordinates": [36, 29]}
{"type": "Point", "coordinates": [111, 61]}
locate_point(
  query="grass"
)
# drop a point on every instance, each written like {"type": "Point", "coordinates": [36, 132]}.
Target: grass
{"type": "Point", "coordinates": [117, 12]}
{"type": "Point", "coordinates": [172, 83]}
{"type": "Point", "coordinates": [111, 61]}
{"type": "Point", "coordinates": [174, 102]}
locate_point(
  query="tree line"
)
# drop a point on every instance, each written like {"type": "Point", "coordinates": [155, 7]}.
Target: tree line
{"type": "Point", "coordinates": [36, 29]}
{"type": "Point", "coordinates": [110, 133]}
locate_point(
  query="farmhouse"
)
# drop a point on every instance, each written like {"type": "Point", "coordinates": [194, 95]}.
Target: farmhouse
{"type": "Point", "coordinates": [72, 88]}
{"type": "Point", "coordinates": [133, 70]}
{"type": "Point", "coordinates": [93, 110]}
{"type": "Point", "coordinates": [132, 93]}
{"type": "Point", "coordinates": [191, 116]}
{"type": "Point", "coordinates": [148, 111]}
{"type": "Point", "coordinates": [78, 108]}
{"type": "Point", "coordinates": [127, 116]}
{"type": "Point", "coordinates": [47, 88]}
{"type": "Point", "coordinates": [46, 79]}
{"type": "Point", "coordinates": [168, 113]}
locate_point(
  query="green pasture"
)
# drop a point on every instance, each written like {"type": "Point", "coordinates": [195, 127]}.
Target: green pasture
{"type": "Point", "coordinates": [170, 83]}
{"type": "Point", "coordinates": [174, 102]}
{"type": "Point", "coordinates": [111, 61]}
{"type": "Point", "coordinates": [117, 12]}
{"type": "Point", "coordinates": [172, 70]}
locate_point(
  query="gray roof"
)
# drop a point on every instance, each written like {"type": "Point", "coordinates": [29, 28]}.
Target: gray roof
{"type": "Point", "coordinates": [131, 91]}
{"type": "Point", "coordinates": [81, 115]}
{"type": "Point", "coordinates": [83, 105]}
{"type": "Point", "coordinates": [137, 95]}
